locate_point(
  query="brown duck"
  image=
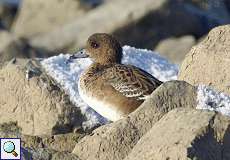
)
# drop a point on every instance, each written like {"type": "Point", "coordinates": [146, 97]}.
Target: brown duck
{"type": "Point", "coordinates": [112, 89]}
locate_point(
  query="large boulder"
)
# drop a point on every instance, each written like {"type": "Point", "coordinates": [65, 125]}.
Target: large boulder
{"type": "Point", "coordinates": [175, 48]}
{"type": "Point", "coordinates": [185, 134]}
{"type": "Point", "coordinates": [105, 18]}
{"type": "Point", "coordinates": [34, 101]}
{"type": "Point", "coordinates": [209, 62]}
{"type": "Point", "coordinates": [114, 141]}
{"type": "Point", "coordinates": [11, 47]}
{"type": "Point", "coordinates": [7, 14]}
{"type": "Point", "coordinates": [146, 23]}
{"type": "Point", "coordinates": [42, 16]}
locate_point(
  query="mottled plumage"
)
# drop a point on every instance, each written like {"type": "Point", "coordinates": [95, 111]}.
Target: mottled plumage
{"type": "Point", "coordinates": [130, 81]}
{"type": "Point", "coordinates": [109, 87]}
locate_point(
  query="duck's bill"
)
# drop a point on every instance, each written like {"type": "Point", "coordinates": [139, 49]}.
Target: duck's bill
{"type": "Point", "coordinates": [80, 54]}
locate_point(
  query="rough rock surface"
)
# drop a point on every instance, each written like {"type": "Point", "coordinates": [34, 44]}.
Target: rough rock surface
{"type": "Point", "coordinates": [76, 33]}
{"type": "Point", "coordinates": [42, 16]}
{"type": "Point", "coordinates": [46, 154]}
{"type": "Point", "coordinates": [175, 49]}
{"type": "Point", "coordinates": [62, 142]}
{"type": "Point", "coordinates": [32, 100]}
{"type": "Point", "coordinates": [209, 62]}
{"type": "Point", "coordinates": [56, 147]}
{"type": "Point", "coordinates": [115, 141]}
{"type": "Point", "coordinates": [11, 47]}
{"type": "Point", "coordinates": [185, 134]}
{"type": "Point", "coordinates": [7, 15]}
{"type": "Point", "coordinates": [9, 130]}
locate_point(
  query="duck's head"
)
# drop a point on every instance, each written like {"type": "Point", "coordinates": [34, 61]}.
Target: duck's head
{"type": "Point", "coordinates": [102, 48]}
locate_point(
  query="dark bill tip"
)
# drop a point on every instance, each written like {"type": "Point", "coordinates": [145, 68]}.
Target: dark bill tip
{"type": "Point", "coordinates": [80, 54]}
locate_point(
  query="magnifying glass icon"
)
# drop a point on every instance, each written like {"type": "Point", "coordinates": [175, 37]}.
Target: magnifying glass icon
{"type": "Point", "coordinates": [9, 147]}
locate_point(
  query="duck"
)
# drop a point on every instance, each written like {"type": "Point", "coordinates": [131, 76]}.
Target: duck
{"type": "Point", "coordinates": [111, 88]}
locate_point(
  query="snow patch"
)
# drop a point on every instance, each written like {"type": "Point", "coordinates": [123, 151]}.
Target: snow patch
{"type": "Point", "coordinates": [209, 99]}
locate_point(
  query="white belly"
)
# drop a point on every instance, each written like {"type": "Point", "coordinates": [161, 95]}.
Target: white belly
{"type": "Point", "coordinates": [105, 109]}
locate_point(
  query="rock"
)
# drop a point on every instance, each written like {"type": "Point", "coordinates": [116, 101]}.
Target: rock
{"type": "Point", "coordinates": [209, 62]}
{"type": "Point", "coordinates": [64, 156]}
{"type": "Point", "coordinates": [146, 24]}
{"type": "Point", "coordinates": [75, 34]}
{"type": "Point", "coordinates": [175, 49]}
{"type": "Point", "coordinates": [28, 141]}
{"type": "Point", "coordinates": [9, 130]}
{"type": "Point", "coordinates": [89, 4]}
{"type": "Point", "coordinates": [46, 154]}
{"type": "Point", "coordinates": [11, 47]}
{"type": "Point", "coordinates": [185, 134]}
{"type": "Point", "coordinates": [54, 147]}
{"type": "Point", "coordinates": [43, 16]}
{"type": "Point", "coordinates": [7, 15]}
{"type": "Point", "coordinates": [32, 100]}
{"type": "Point", "coordinates": [227, 3]}
{"type": "Point", "coordinates": [62, 142]}
{"type": "Point", "coordinates": [114, 141]}
{"type": "Point", "coordinates": [163, 23]}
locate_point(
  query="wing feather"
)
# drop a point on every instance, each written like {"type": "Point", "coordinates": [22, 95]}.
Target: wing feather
{"type": "Point", "coordinates": [131, 81]}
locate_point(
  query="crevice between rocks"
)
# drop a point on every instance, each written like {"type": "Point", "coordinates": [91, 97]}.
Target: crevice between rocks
{"type": "Point", "coordinates": [207, 147]}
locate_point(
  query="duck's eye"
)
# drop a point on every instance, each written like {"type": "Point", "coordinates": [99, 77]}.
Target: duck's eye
{"type": "Point", "coordinates": [94, 45]}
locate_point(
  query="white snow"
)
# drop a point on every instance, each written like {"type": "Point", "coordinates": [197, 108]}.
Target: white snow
{"type": "Point", "coordinates": [210, 99]}
{"type": "Point", "coordinates": [67, 75]}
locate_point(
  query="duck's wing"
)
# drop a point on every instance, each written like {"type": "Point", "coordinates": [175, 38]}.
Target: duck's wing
{"type": "Point", "coordinates": [131, 81]}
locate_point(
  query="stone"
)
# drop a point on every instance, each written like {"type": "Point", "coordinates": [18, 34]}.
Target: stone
{"type": "Point", "coordinates": [11, 47]}
{"type": "Point", "coordinates": [175, 49]}
{"type": "Point", "coordinates": [9, 130]}
{"type": "Point", "coordinates": [46, 154]}
{"type": "Point", "coordinates": [185, 133]}
{"type": "Point", "coordinates": [42, 147]}
{"type": "Point", "coordinates": [62, 142]}
{"type": "Point", "coordinates": [7, 15]}
{"type": "Point", "coordinates": [42, 16]}
{"type": "Point", "coordinates": [114, 141]}
{"type": "Point", "coordinates": [75, 34]}
{"type": "Point", "coordinates": [33, 100]}
{"type": "Point", "coordinates": [209, 62]}
{"type": "Point", "coordinates": [163, 23]}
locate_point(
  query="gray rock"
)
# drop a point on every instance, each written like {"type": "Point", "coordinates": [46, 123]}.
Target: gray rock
{"type": "Point", "coordinates": [42, 16]}
{"type": "Point", "coordinates": [43, 147]}
{"type": "Point", "coordinates": [174, 19]}
{"type": "Point", "coordinates": [114, 141]}
{"type": "Point", "coordinates": [105, 18]}
{"type": "Point", "coordinates": [9, 130]}
{"type": "Point", "coordinates": [174, 48]}
{"type": "Point", "coordinates": [11, 47]}
{"type": "Point", "coordinates": [185, 134]}
{"type": "Point", "coordinates": [209, 62]}
{"type": "Point", "coordinates": [62, 142]}
{"type": "Point", "coordinates": [34, 101]}
{"type": "Point", "coordinates": [46, 154]}
{"type": "Point", "coordinates": [7, 15]}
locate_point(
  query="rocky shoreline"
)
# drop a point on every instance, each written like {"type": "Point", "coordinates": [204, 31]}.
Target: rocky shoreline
{"type": "Point", "coordinates": [186, 118]}
{"type": "Point", "coordinates": [167, 125]}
